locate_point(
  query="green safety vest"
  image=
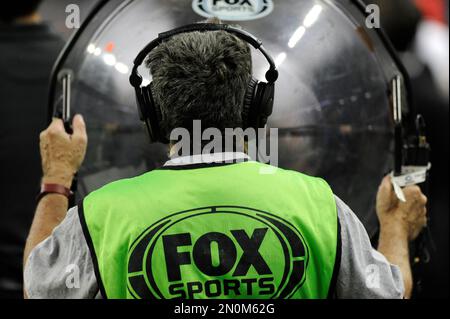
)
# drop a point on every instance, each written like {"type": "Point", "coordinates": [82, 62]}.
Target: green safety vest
{"type": "Point", "coordinates": [213, 231]}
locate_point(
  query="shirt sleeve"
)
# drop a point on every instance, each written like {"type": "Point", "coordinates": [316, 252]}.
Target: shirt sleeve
{"type": "Point", "coordinates": [61, 266]}
{"type": "Point", "coordinates": [364, 272]}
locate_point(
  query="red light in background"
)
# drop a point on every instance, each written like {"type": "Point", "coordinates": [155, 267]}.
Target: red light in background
{"type": "Point", "coordinates": [109, 47]}
{"type": "Point", "coordinates": [433, 9]}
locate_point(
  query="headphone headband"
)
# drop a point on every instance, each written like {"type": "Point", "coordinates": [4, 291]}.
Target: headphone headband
{"type": "Point", "coordinates": [136, 79]}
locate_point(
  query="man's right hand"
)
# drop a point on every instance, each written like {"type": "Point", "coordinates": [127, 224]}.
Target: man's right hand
{"type": "Point", "coordinates": [409, 217]}
{"type": "Point", "coordinates": [62, 153]}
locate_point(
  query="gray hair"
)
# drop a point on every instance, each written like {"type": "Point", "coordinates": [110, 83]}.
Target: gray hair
{"type": "Point", "coordinates": [200, 76]}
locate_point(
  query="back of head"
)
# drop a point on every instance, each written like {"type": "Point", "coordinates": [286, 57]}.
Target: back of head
{"type": "Point", "coordinates": [18, 9]}
{"type": "Point", "coordinates": [200, 76]}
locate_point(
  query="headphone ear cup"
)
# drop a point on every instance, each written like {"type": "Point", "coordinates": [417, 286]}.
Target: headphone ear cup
{"type": "Point", "coordinates": [249, 101]}
{"type": "Point", "coordinates": [262, 105]}
{"type": "Point", "coordinates": [266, 93]}
{"type": "Point", "coordinates": [140, 104]}
{"type": "Point", "coordinates": [151, 114]}
{"type": "Point", "coordinates": [154, 107]}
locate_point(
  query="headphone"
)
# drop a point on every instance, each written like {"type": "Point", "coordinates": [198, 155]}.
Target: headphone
{"type": "Point", "coordinates": [259, 97]}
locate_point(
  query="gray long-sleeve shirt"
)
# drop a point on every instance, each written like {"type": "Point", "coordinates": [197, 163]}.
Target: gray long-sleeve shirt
{"type": "Point", "coordinates": [61, 266]}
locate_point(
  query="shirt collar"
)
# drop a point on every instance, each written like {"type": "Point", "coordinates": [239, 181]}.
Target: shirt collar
{"type": "Point", "coordinates": [226, 157]}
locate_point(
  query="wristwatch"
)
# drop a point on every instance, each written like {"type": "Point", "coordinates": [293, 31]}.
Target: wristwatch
{"type": "Point", "coordinates": [54, 189]}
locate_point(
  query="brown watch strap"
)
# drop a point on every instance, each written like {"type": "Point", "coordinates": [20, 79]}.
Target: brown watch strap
{"type": "Point", "coordinates": [54, 189]}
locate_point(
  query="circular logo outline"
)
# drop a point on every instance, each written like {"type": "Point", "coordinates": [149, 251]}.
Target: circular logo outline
{"type": "Point", "coordinates": [204, 9]}
{"type": "Point", "coordinates": [283, 229]}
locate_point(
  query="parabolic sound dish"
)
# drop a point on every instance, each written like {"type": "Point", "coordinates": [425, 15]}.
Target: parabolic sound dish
{"type": "Point", "coordinates": [332, 105]}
